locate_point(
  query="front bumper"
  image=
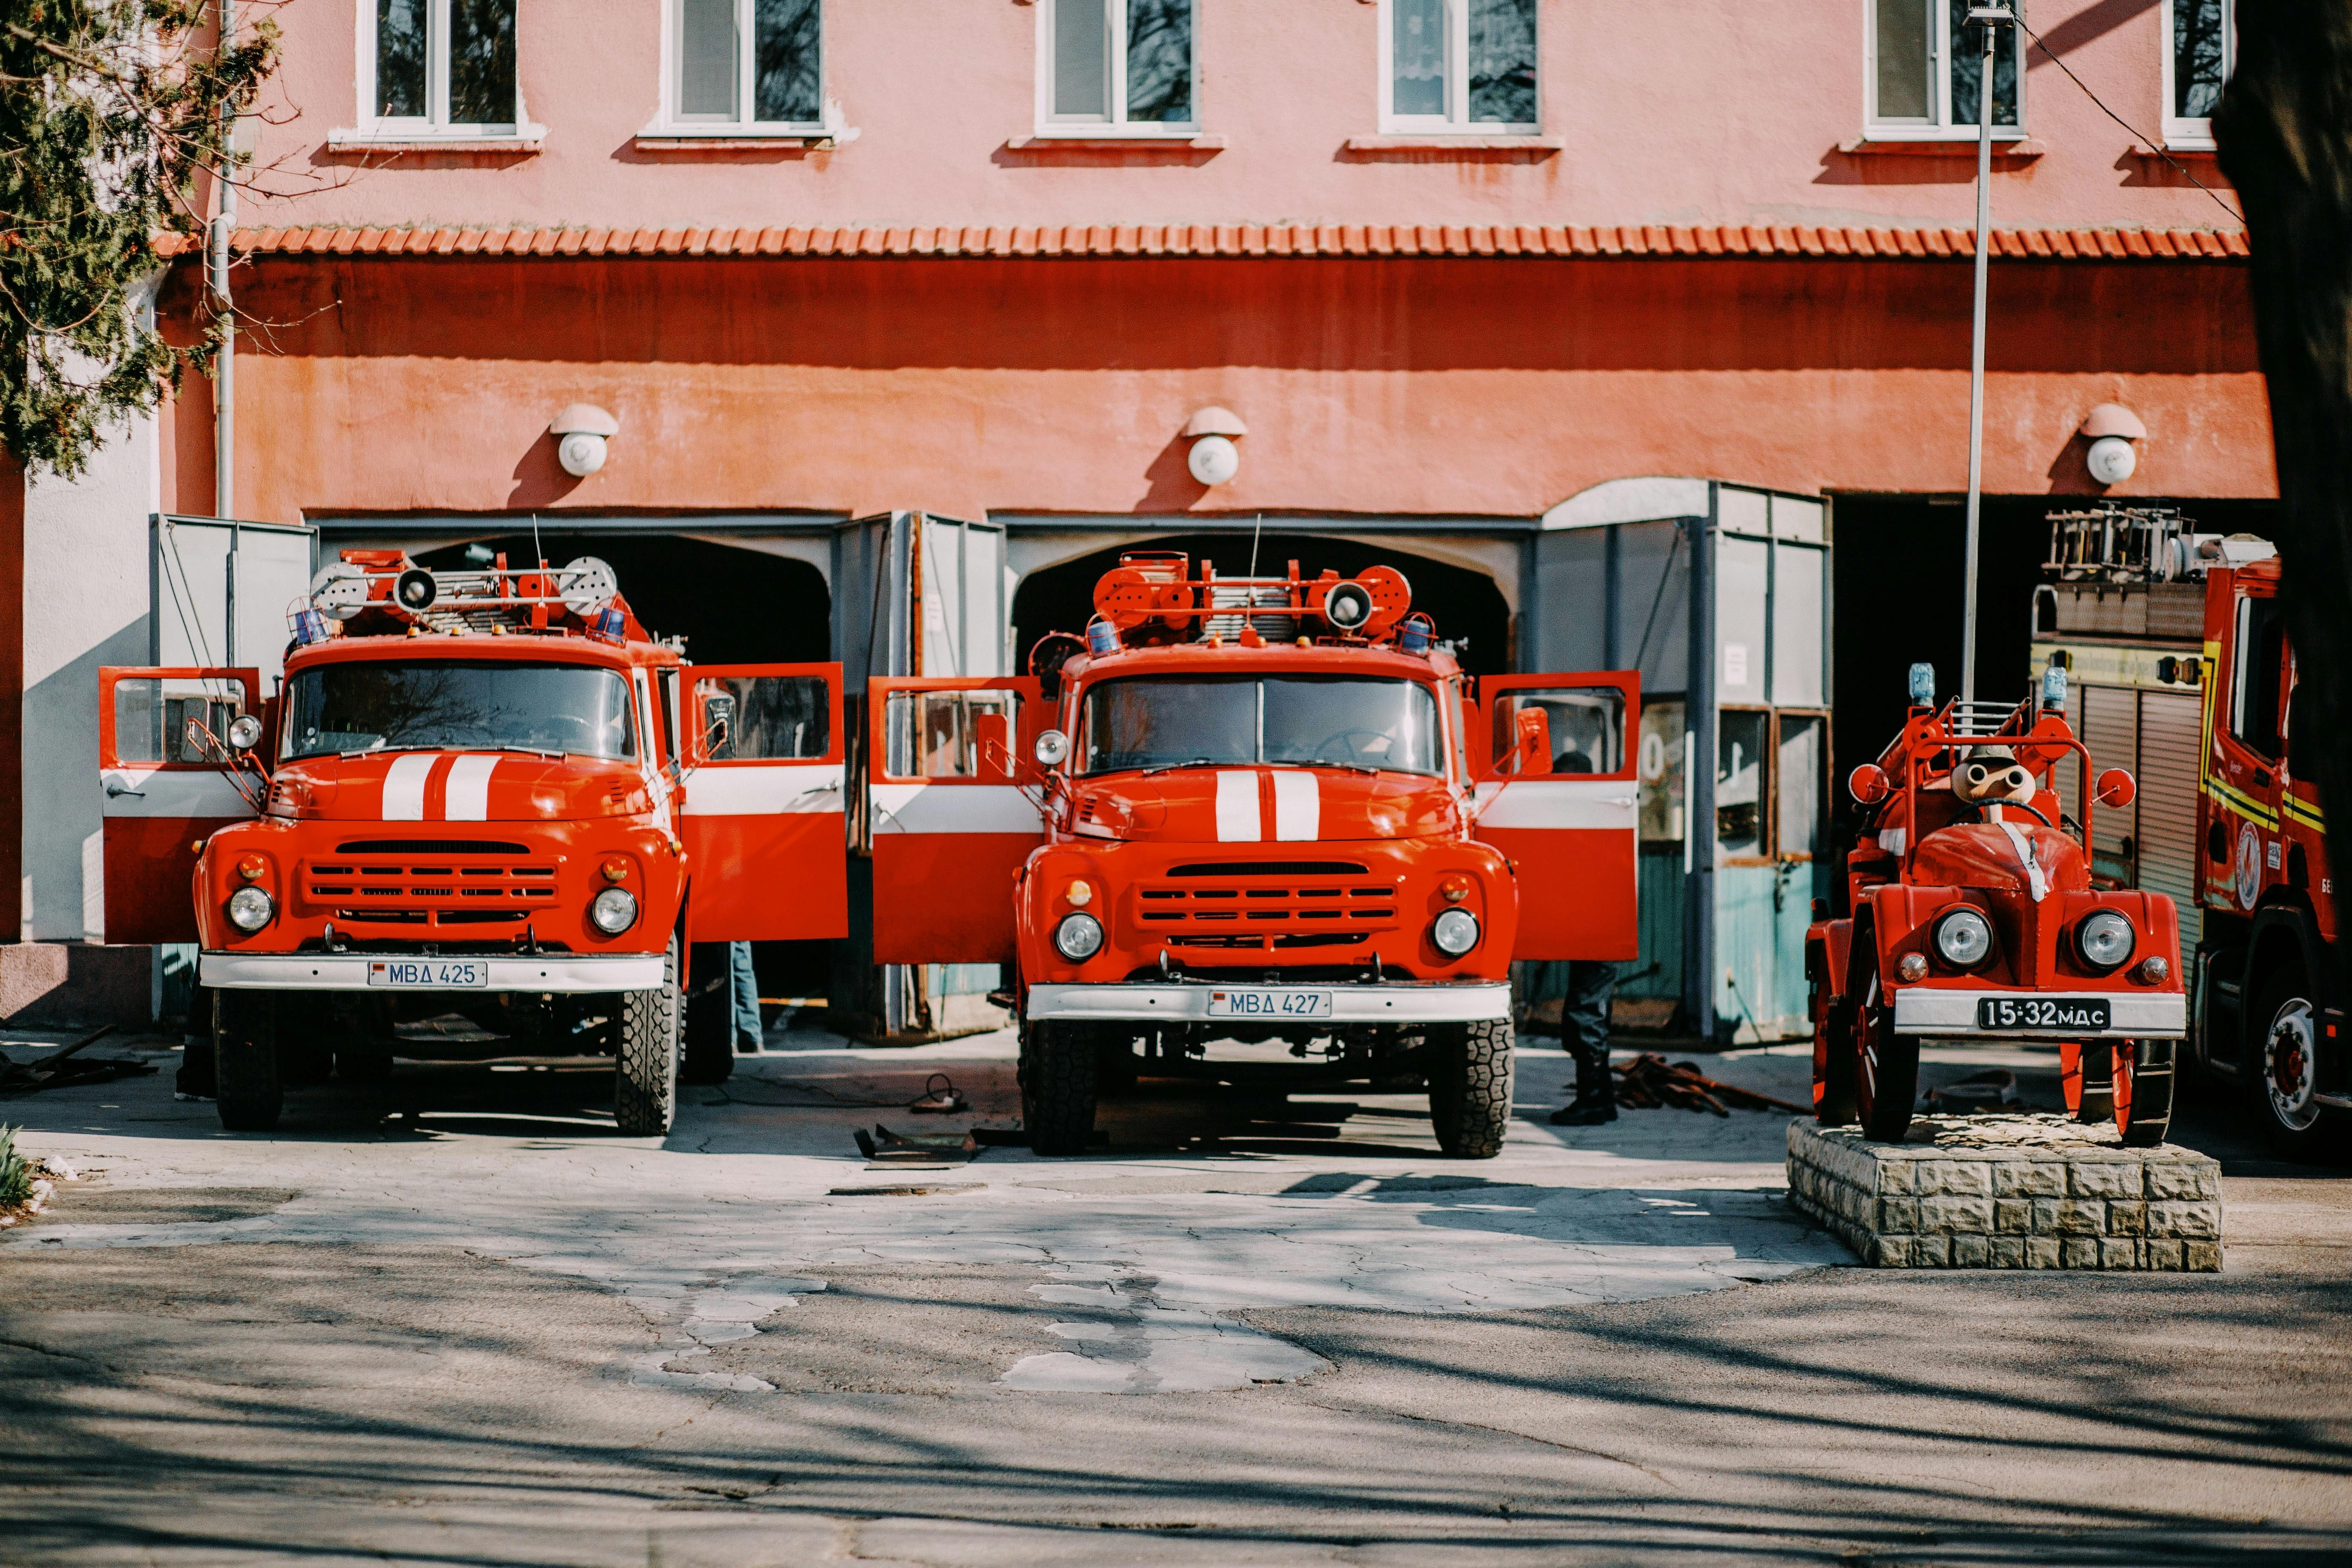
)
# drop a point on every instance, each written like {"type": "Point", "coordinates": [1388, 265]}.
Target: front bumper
{"type": "Point", "coordinates": [2157, 1016]}
{"type": "Point", "coordinates": [1439, 1001]}
{"type": "Point", "coordinates": [551, 973]}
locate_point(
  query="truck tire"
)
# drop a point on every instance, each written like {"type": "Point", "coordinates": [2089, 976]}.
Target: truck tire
{"type": "Point", "coordinates": [2143, 1078]}
{"type": "Point", "coordinates": [710, 1050]}
{"type": "Point", "coordinates": [645, 1056]}
{"type": "Point", "coordinates": [248, 1090]}
{"type": "Point", "coordinates": [2283, 1069]}
{"type": "Point", "coordinates": [1885, 1075]}
{"type": "Point", "coordinates": [1117, 1066]}
{"type": "Point", "coordinates": [1057, 1088]}
{"type": "Point", "coordinates": [1470, 1088]}
{"type": "Point", "coordinates": [1833, 1059]}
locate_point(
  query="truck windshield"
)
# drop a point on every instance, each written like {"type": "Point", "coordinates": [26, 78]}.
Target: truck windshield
{"type": "Point", "coordinates": [1151, 721]}
{"type": "Point", "coordinates": [455, 706]}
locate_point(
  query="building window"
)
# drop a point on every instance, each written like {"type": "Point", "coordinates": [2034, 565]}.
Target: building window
{"type": "Point", "coordinates": [1924, 59]}
{"type": "Point", "coordinates": [2200, 47]}
{"type": "Point", "coordinates": [433, 67]}
{"type": "Point", "coordinates": [1118, 68]}
{"type": "Point", "coordinates": [1459, 66]}
{"type": "Point", "coordinates": [746, 64]}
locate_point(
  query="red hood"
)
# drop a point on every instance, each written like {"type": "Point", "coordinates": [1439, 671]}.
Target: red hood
{"type": "Point", "coordinates": [456, 786]}
{"type": "Point", "coordinates": [1247, 805]}
{"type": "Point", "coordinates": [1981, 854]}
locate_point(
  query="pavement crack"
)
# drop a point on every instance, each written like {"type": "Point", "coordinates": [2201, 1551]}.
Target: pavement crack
{"type": "Point", "coordinates": [1500, 1432]}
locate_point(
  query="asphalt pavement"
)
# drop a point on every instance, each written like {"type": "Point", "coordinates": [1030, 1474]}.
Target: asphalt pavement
{"type": "Point", "coordinates": [454, 1318]}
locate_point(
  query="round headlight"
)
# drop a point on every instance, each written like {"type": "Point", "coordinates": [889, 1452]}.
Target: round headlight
{"type": "Point", "coordinates": [1964, 939]}
{"type": "Point", "coordinates": [1078, 938]}
{"type": "Point", "coordinates": [1455, 933]}
{"type": "Point", "coordinates": [614, 910]}
{"type": "Point", "coordinates": [2104, 940]}
{"type": "Point", "coordinates": [250, 909]}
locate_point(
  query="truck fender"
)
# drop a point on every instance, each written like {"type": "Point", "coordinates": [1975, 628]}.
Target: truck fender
{"type": "Point", "coordinates": [1827, 950]}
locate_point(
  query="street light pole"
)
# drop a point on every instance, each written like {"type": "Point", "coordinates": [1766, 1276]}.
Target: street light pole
{"type": "Point", "coordinates": [1986, 18]}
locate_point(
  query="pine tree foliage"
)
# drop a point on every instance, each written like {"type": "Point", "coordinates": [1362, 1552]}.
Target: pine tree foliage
{"type": "Point", "coordinates": [108, 112]}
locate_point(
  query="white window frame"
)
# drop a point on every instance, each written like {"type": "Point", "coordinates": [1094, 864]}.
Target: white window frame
{"type": "Point", "coordinates": [674, 125]}
{"type": "Point", "coordinates": [433, 124]}
{"type": "Point", "coordinates": [1876, 128]}
{"type": "Point", "coordinates": [1049, 124]}
{"type": "Point", "coordinates": [2181, 132]}
{"type": "Point", "coordinates": [1456, 121]}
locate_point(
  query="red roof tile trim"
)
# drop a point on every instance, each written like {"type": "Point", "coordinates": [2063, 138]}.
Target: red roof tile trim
{"type": "Point", "coordinates": [1249, 240]}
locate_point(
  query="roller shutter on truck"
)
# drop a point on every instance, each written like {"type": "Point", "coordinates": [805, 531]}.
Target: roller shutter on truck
{"type": "Point", "coordinates": [2111, 729]}
{"type": "Point", "coordinates": [2169, 734]}
{"type": "Point", "coordinates": [2151, 843]}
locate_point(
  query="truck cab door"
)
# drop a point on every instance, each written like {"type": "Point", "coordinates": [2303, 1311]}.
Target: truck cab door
{"type": "Point", "coordinates": [762, 804]}
{"type": "Point", "coordinates": [160, 734]}
{"type": "Point", "coordinates": [1559, 796]}
{"type": "Point", "coordinates": [950, 828]}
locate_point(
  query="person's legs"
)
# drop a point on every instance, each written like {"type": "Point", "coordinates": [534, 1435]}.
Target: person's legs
{"type": "Point", "coordinates": [1584, 1030]}
{"type": "Point", "coordinates": [743, 985]}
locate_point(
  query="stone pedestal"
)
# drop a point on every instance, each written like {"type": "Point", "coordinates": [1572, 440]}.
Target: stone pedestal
{"type": "Point", "coordinates": [2008, 1192]}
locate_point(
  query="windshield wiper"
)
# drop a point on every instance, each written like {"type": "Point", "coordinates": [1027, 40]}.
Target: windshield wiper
{"type": "Point", "coordinates": [445, 746]}
{"type": "Point", "coordinates": [1171, 767]}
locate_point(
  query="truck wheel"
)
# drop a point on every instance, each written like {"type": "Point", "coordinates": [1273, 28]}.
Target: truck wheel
{"type": "Point", "coordinates": [1117, 1066]}
{"type": "Point", "coordinates": [1885, 1075]}
{"type": "Point", "coordinates": [710, 1051]}
{"type": "Point", "coordinates": [2089, 1075]}
{"type": "Point", "coordinates": [244, 1060]}
{"type": "Point", "coordinates": [1057, 1088]}
{"type": "Point", "coordinates": [1470, 1088]}
{"type": "Point", "coordinates": [644, 1058]}
{"type": "Point", "coordinates": [2283, 1087]}
{"type": "Point", "coordinates": [1833, 1059]}
{"type": "Point", "coordinates": [2142, 1091]}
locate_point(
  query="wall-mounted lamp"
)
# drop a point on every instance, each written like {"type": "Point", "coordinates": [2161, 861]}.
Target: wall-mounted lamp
{"type": "Point", "coordinates": [1212, 431]}
{"type": "Point", "coordinates": [581, 432]}
{"type": "Point", "coordinates": [2112, 429]}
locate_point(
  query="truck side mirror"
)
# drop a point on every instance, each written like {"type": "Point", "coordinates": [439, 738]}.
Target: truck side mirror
{"type": "Point", "coordinates": [718, 723]}
{"type": "Point", "coordinates": [2115, 788]}
{"type": "Point", "coordinates": [1534, 742]}
{"type": "Point", "coordinates": [993, 734]}
{"type": "Point", "coordinates": [1869, 783]}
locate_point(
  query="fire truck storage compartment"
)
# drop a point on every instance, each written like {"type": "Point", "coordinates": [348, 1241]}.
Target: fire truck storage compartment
{"type": "Point", "coordinates": [1719, 595]}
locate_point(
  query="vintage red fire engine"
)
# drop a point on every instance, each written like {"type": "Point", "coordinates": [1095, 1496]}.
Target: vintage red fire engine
{"type": "Point", "coordinates": [1249, 812]}
{"type": "Point", "coordinates": [483, 791]}
{"type": "Point", "coordinates": [1971, 918]}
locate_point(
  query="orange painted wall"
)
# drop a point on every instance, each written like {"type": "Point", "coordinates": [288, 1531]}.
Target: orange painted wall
{"type": "Point", "coordinates": [1490, 386]}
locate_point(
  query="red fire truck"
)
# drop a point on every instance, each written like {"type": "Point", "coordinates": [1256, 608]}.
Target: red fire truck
{"type": "Point", "coordinates": [483, 792]}
{"type": "Point", "coordinates": [1971, 917]}
{"type": "Point", "coordinates": [2270, 1017]}
{"type": "Point", "coordinates": [1252, 812]}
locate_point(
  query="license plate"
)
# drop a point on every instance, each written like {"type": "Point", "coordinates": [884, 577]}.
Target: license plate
{"type": "Point", "coordinates": [2065, 1014]}
{"type": "Point", "coordinates": [430, 973]}
{"type": "Point", "coordinates": [1274, 1005]}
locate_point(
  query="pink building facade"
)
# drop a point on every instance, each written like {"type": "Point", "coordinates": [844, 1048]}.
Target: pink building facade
{"type": "Point", "coordinates": [1462, 267]}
